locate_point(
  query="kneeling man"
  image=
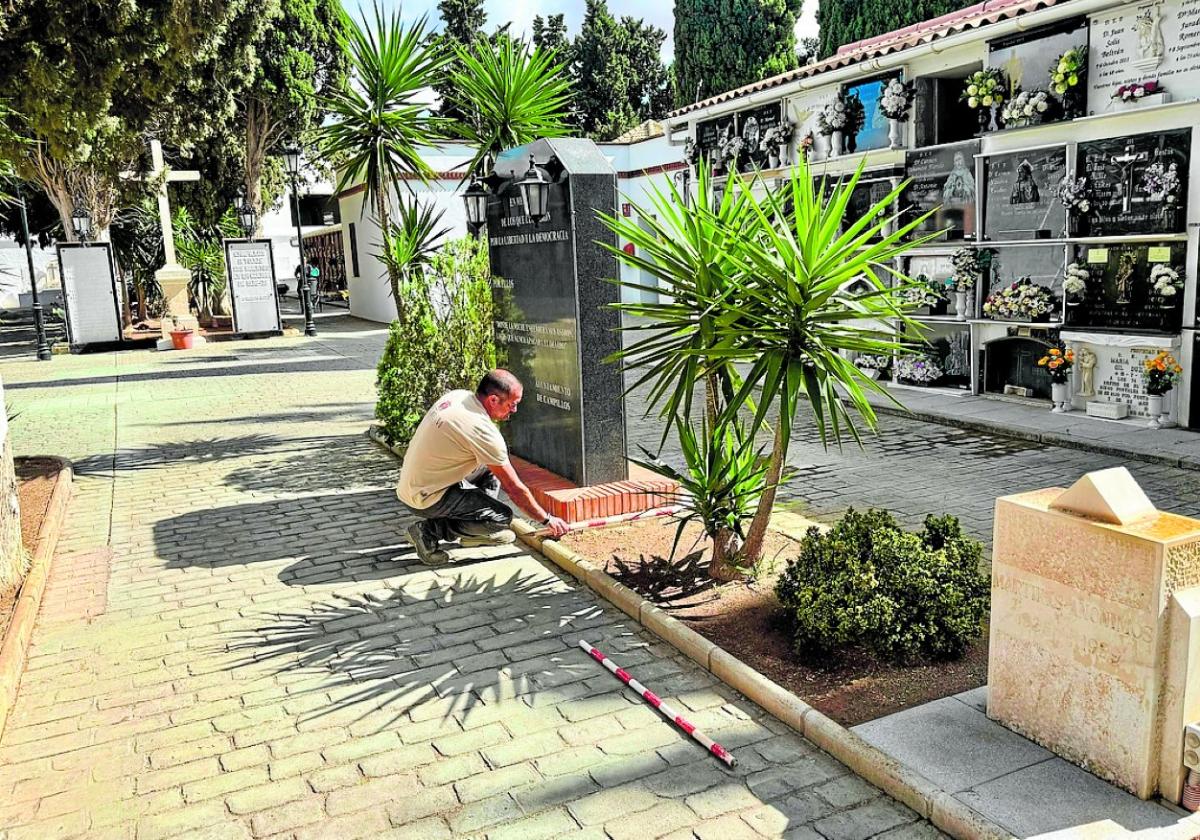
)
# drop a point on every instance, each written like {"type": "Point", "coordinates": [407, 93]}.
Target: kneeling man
{"type": "Point", "coordinates": [454, 469]}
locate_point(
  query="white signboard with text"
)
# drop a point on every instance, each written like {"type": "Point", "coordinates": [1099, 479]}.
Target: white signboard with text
{"type": "Point", "coordinates": [90, 299]}
{"type": "Point", "coordinates": [1144, 42]}
{"type": "Point", "coordinates": [251, 270]}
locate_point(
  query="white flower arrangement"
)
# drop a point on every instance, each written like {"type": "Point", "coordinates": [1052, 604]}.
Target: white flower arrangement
{"type": "Point", "coordinates": [833, 117]}
{"type": "Point", "coordinates": [967, 268]}
{"type": "Point", "coordinates": [1026, 108]}
{"type": "Point", "coordinates": [896, 100]}
{"type": "Point", "coordinates": [691, 151]}
{"type": "Point", "coordinates": [922, 292]}
{"type": "Point", "coordinates": [731, 150]}
{"type": "Point", "coordinates": [919, 369]}
{"type": "Point", "coordinates": [777, 135]}
{"type": "Point", "coordinates": [1165, 281]}
{"type": "Point", "coordinates": [1161, 182]}
{"type": "Point", "coordinates": [868, 361]}
{"type": "Point", "coordinates": [1075, 284]}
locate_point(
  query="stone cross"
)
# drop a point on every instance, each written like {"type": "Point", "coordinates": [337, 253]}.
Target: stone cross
{"type": "Point", "coordinates": [164, 205]}
{"type": "Point", "coordinates": [1126, 162]}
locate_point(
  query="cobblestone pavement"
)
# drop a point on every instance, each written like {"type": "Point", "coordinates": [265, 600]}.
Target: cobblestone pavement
{"type": "Point", "coordinates": [237, 641]}
{"type": "Point", "coordinates": [913, 468]}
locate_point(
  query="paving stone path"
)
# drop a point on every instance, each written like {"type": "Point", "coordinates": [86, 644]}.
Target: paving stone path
{"type": "Point", "coordinates": [237, 641]}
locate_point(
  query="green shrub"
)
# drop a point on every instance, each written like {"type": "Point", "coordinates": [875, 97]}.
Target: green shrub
{"type": "Point", "coordinates": [901, 595]}
{"type": "Point", "coordinates": [443, 339]}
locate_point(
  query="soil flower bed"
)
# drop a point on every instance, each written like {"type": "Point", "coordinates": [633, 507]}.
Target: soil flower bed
{"type": "Point", "coordinates": [35, 483]}
{"type": "Point", "coordinates": [745, 619]}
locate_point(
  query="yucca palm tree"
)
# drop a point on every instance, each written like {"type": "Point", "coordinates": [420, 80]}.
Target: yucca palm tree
{"type": "Point", "coordinates": [414, 238]}
{"type": "Point", "coordinates": [378, 120]}
{"type": "Point", "coordinates": [510, 96]}
{"type": "Point", "coordinates": [775, 301]}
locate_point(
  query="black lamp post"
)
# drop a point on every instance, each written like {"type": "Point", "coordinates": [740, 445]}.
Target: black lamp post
{"type": "Point", "coordinates": [81, 221]}
{"type": "Point", "coordinates": [535, 192]}
{"type": "Point", "coordinates": [292, 158]}
{"type": "Point", "coordinates": [39, 319]}
{"type": "Point", "coordinates": [247, 218]}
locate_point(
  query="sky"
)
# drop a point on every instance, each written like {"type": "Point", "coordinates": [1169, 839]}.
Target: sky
{"type": "Point", "coordinates": [522, 12]}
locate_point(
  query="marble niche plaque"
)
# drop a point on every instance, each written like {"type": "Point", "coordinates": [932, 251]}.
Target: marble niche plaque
{"type": "Point", "coordinates": [866, 194]}
{"type": "Point", "coordinates": [1026, 57]}
{"type": "Point", "coordinates": [1119, 294]}
{"type": "Point", "coordinates": [1021, 198]}
{"type": "Point", "coordinates": [710, 134]}
{"type": "Point", "coordinates": [554, 323]}
{"type": "Point", "coordinates": [1043, 264]}
{"type": "Point", "coordinates": [752, 125]}
{"type": "Point", "coordinates": [942, 179]}
{"type": "Point", "coordinates": [1126, 176]}
{"type": "Point", "coordinates": [1142, 42]}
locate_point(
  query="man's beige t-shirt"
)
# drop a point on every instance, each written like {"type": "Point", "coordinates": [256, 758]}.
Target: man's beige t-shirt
{"type": "Point", "coordinates": [454, 439]}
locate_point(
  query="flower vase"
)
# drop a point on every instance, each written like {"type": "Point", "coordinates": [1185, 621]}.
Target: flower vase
{"type": "Point", "coordinates": [1164, 419]}
{"type": "Point", "coordinates": [1155, 409]}
{"type": "Point", "coordinates": [994, 118]}
{"type": "Point", "coordinates": [895, 134]}
{"type": "Point", "coordinates": [960, 305]}
{"type": "Point", "coordinates": [835, 144]}
{"type": "Point", "coordinates": [773, 159]}
{"type": "Point", "coordinates": [1060, 396]}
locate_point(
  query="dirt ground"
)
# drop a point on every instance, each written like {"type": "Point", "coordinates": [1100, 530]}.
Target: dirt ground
{"type": "Point", "coordinates": [35, 483]}
{"type": "Point", "coordinates": [745, 619]}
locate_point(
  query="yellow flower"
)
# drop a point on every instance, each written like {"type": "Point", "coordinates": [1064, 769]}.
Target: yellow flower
{"type": "Point", "coordinates": [1042, 361]}
{"type": "Point", "coordinates": [1054, 351]}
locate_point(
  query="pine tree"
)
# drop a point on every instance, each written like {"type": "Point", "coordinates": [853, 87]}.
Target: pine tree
{"type": "Point", "coordinates": [550, 33]}
{"type": "Point", "coordinates": [462, 22]}
{"type": "Point", "coordinates": [618, 74]}
{"type": "Point", "coordinates": [846, 21]}
{"type": "Point", "coordinates": [722, 45]}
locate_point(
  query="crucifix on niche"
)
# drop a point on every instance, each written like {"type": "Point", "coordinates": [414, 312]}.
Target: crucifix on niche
{"type": "Point", "coordinates": [1126, 162]}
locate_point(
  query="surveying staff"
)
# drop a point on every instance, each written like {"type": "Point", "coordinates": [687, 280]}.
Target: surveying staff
{"type": "Point", "coordinates": [454, 469]}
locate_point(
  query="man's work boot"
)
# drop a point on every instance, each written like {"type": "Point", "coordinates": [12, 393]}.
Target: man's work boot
{"type": "Point", "coordinates": [426, 544]}
{"type": "Point", "coordinates": [501, 537]}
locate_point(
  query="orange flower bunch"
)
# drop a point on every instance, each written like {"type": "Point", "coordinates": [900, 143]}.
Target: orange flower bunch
{"type": "Point", "coordinates": [1161, 373]}
{"type": "Point", "coordinates": [1058, 363]}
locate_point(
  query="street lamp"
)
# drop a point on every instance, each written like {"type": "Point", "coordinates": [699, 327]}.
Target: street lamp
{"type": "Point", "coordinates": [291, 157]}
{"type": "Point", "coordinates": [476, 198]}
{"type": "Point", "coordinates": [535, 192]}
{"type": "Point", "coordinates": [247, 218]}
{"type": "Point", "coordinates": [81, 221]}
{"type": "Point", "coordinates": [39, 320]}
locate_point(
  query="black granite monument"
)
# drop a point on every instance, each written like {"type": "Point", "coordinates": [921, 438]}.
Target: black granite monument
{"type": "Point", "coordinates": [942, 179]}
{"type": "Point", "coordinates": [554, 327]}
{"type": "Point", "coordinates": [1139, 183]}
{"type": "Point", "coordinates": [1120, 295]}
{"type": "Point", "coordinates": [1021, 201]}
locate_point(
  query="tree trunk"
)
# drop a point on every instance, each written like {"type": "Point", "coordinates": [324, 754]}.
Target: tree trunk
{"type": "Point", "coordinates": [126, 308]}
{"type": "Point", "coordinates": [724, 553]}
{"type": "Point", "coordinates": [140, 288]}
{"type": "Point", "coordinates": [381, 211]}
{"type": "Point", "coordinates": [261, 135]}
{"type": "Point", "coordinates": [753, 549]}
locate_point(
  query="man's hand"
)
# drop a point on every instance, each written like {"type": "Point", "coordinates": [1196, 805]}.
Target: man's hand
{"type": "Point", "coordinates": [557, 527]}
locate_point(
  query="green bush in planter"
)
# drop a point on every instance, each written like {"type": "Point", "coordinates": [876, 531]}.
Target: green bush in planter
{"type": "Point", "coordinates": [901, 595]}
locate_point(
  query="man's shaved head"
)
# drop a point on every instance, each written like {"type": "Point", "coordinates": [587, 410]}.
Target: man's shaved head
{"type": "Point", "coordinates": [498, 382]}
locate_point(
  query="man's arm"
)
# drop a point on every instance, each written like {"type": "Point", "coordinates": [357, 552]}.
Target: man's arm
{"type": "Point", "coordinates": [519, 493]}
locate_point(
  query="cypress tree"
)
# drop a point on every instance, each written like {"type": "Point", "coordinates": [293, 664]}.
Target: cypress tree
{"type": "Point", "coordinates": [846, 21]}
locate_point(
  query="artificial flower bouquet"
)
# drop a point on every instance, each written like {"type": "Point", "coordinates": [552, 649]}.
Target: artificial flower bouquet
{"type": "Point", "coordinates": [918, 369]}
{"type": "Point", "coordinates": [1024, 300]}
{"type": "Point", "coordinates": [897, 99]}
{"type": "Point", "coordinates": [1058, 364]}
{"type": "Point", "coordinates": [967, 269]}
{"type": "Point", "coordinates": [1075, 284]}
{"type": "Point", "coordinates": [1161, 373]}
{"type": "Point", "coordinates": [1165, 283]}
{"type": "Point", "coordinates": [1069, 70]}
{"type": "Point", "coordinates": [984, 89]}
{"type": "Point", "coordinates": [1026, 108]}
{"type": "Point", "coordinates": [1137, 90]}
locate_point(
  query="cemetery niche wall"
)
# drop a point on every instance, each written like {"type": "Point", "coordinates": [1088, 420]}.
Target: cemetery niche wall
{"type": "Point", "coordinates": [1021, 194]}
{"type": "Point", "coordinates": [1138, 184]}
{"type": "Point", "coordinates": [715, 138]}
{"type": "Point", "coordinates": [554, 325]}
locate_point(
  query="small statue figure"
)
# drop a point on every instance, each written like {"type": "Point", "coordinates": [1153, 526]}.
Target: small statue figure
{"type": "Point", "coordinates": [1087, 369]}
{"type": "Point", "coordinates": [1149, 34]}
{"type": "Point", "coordinates": [1124, 277]}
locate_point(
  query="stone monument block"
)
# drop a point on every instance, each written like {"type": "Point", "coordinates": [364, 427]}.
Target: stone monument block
{"type": "Point", "coordinates": [1093, 634]}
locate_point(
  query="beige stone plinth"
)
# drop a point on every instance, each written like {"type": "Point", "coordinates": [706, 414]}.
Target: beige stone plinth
{"type": "Point", "coordinates": [174, 281]}
{"type": "Point", "coordinates": [1085, 637]}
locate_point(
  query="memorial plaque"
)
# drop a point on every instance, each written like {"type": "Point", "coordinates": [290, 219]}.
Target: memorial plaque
{"type": "Point", "coordinates": [1139, 183]}
{"type": "Point", "coordinates": [1012, 361]}
{"type": "Point", "coordinates": [1119, 294]}
{"type": "Point", "coordinates": [90, 299]}
{"type": "Point", "coordinates": [942, 178]}
{"type": "Point", "coordinates": [251, 272]}
{"type": "Point", "coordinates": [1021, 198]}
{"type": "Point", "coordinates": [752, 125]}
{"type": "Point", "coordinates": [710, 134]}
{"type": "Point", "coordinates": [1142, 42]}
{"type": "Point", "coordinates": [554, 325]}
{"type": "Point", "coordinates": [938, 270]}
{"type": "Point", "coordinates": [1026, 57]}
{"type": "Point", "coordinates": [866, 194]}
{"type": "Point", "coordinates": [874, 133]}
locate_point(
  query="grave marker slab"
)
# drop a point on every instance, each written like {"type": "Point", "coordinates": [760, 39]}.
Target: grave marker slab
{"type": "Point", "coordinates": [1022, 194]}
{"type": "Point", "coordinates": [1119, 294]}
{"type": "Point", "coordinates": [251, 271]}
{"type": "Point", "coordinates": [90, 299]}
{"type": "Point", "coordinates": [554, 326]}
{"type": "Point", "coordinates": [1124, 174]}
{"type": "Point", "coordinates": [942, 178]}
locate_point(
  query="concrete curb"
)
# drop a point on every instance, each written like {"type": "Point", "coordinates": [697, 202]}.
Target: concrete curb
{"type": "Point", "coordinates": [375, 433]}
{"type": "Point", "coordinates": [1049, 438]}
{"type": "Point", "coordinates": [901, 783]}
{"type": "Point", "coordinates": [15, 648]}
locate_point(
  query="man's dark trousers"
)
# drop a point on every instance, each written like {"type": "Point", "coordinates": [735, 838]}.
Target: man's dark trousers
{"type": "Point", "coordinates": [468, 509]}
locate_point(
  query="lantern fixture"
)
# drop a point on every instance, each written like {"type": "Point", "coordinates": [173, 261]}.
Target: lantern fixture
{"type": "Point", "coordinates": [247, 218]}
{"type": "Point", "coordinates": [476, 198]}
{"type": "Point", "coordinates": [535, 192]}
{"type": "Point", "coordinates": [291, 157]}
{"type": "Point", "coordinates": [81, 221]}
